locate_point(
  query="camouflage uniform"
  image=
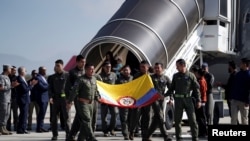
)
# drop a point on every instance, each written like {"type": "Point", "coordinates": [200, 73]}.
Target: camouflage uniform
{"type": "Point", "coordinates": [95, 107]}
{"type": "Point", "coordinates": [136, 114]}
{"type": "Point", "coordinates": [160, 83]}
{"type": "Point", "coordinates": [5, 96]}
{"type": "Point", "coordinates": [73, 75]}
{"type": "Point", "coordinates": [123, 112]}
{"type": "Point", "coordinates": [109, 79]}
{"type": "Point", "coordinates": [85, 91]}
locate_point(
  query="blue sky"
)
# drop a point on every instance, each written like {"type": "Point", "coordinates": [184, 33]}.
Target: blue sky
{"type": "Point", "coordinates": [39, 29]}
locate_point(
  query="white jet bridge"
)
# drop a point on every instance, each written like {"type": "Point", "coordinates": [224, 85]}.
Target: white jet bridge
{"type": "Point", "coordinates": [164, 31]}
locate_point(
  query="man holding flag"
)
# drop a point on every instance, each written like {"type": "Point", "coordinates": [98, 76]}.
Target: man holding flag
{"type": "Point", "coordinates": [144, 112]}
{"type": "Point", "coordinates": [137, 94]}
{"type": "Point", "coordinates": [110, 78]}
{"type": "Point", "coordinates": [160, 82]}
{"type": "Point", "coordinates": [125, 77]}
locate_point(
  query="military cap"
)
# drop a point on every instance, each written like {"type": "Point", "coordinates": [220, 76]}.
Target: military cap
{"type": "Point", "coordinates": [7, 66]}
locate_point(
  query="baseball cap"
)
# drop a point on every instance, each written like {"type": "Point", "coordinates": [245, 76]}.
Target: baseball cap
{"type": "Point", "coordinates": [245, 60]}
{"type": "Point", "coordinates": [204, 65]}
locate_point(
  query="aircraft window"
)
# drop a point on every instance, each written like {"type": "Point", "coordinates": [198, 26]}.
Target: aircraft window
{"type": "Point", "coordinates": [246, 18]}
{"type": "Point", "coordinates": [223, 8]}
{"type": "Point", "coordinates": [211, 22]}
{"type": "Point", "coordinates": [223, 24]}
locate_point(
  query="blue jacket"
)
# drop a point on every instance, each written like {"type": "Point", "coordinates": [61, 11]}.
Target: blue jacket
{"type": "Point", "coordinates": [41, 89]}
{"type": "Point", "coordinates": [32, 92]}
{"type": "Point", "coordinates": [241, 86]}
{"type": "Point", "coordinates": [23, 91]}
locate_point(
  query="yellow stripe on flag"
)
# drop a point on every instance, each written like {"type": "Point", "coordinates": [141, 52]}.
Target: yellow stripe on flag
{"type": "Point", "coordinates": [136, 88]}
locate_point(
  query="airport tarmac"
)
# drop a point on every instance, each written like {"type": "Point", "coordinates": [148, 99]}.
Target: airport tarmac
{"type": "Point", "coordinates": [33, 136]}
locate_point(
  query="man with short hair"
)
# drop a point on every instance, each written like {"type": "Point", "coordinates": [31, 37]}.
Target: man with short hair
{"type": "Point", "coordinates": [232, 70]}
{"type": "Point", "coordinates": [110, 78]}
{"type": "Point", "coordinates": [161, 82]}
{"type": "Point", "coordinates": [84, 92]}
{"type": "Point", "coordinates": [14, 105]}
{"type": "Point", "coordinates": [23, 99]}
{"type": "Point", "coordinates": [5, 96]}
{"type": "Point", "coordinates": [57, 96]}
{"type": "Point", "coordinates": [144, 112]}
{"type": "Point", "coordinates": [42, 98]}
{"type": "Point", "coordinates": [240, 93]}
{"type": "Point", "coordinates": [125, 77]}
{"type": "Point", "coordinates": [184, 83]}
{"type": "Point", "coordinates": [33, 104]}
{"type": "Point", "coordinates": [209, 107]}
{"type": "Point", "coordinates": [74, 74]}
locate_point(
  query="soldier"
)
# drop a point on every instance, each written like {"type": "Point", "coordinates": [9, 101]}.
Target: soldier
{"type": "Point", "coordinates": [58, 98]}
{"type": "Point", "coordinates": [95, 107]}
{"type": "Point", "coordinates": [160, 82]}
{"type": "Point", "coordinates": [183, 83]}
{"type": "Point", "coordinates": [125, 77]}
{"type": "Point", "coordinates": [110, 58]}
{"type": "Point", "coordinates": [5, 96]}
{"type": "Point", "coordinates": [85, 91]}
{"type": "Point", "coordinates": [108, 77]}
{"type": "Point", "coordinates": [144, 112]}
{"type": "Point", "coordinates": [75, 73]}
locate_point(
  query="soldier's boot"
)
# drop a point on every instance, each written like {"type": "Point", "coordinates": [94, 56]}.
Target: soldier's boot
{"type": "Point", "coordinates": [15, 126]}
{"type": "Point", "coordinates": [3, 131]}
{"type": "Point", "coordinates": [8, 127]}
{"type": "Point", "coordinates": [131, 136]}
{"type": "Point", "coordinates": [167, 138]}
{"type": "Point", "coordinates": [146, 139]}
{"type": "Point", "coordinates": [93, 139]}
{"type": "Point", "coordinates": [112, 132]}
{"type": "Point", "coordinates": [10, 133]}
{"type": "Point", "coordinates": [70, 138]}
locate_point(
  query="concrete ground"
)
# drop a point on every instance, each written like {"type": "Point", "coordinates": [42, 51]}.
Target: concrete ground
{"type": "Point", "coordinates": [33, 136]}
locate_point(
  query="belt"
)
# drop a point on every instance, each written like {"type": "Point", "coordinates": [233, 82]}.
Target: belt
{"type": "Point", "coordinates": [63, 95]}
{"type": "Point", "coordinates": [83, 100]}
{"type": "Point", "coordinates": [181, 95]}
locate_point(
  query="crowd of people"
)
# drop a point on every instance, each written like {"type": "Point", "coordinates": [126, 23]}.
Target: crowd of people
{"type": "Point", "coordinates": [190, 89]}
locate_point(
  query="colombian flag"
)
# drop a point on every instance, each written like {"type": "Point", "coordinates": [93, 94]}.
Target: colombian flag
{"type": "Point", "coordinates": [134, 94]}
